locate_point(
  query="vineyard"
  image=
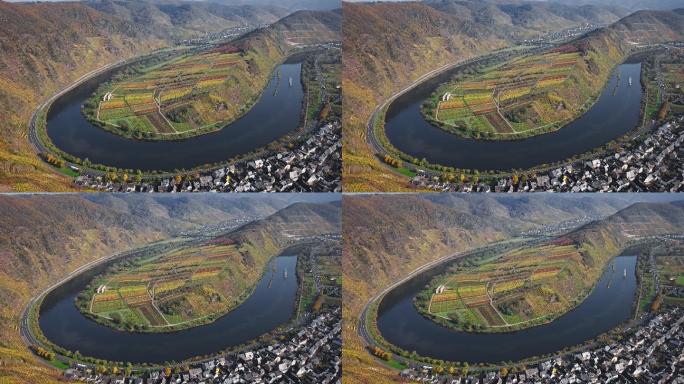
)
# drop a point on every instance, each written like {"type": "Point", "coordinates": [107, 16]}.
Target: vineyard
{"type": "Point", "coordinates": [519, 288]}
{"type": "Point", "coordinates": [182, 286]}
{"type": "Point", "coordinates": [526, 96]}
{"type": "Point", "coordinates": [188, 95]}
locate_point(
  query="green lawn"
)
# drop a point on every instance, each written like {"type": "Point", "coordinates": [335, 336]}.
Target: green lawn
{"type": "Point", "coordinates": [58, 364]}
{"type": "Point", "coordinates": [396, 365]}
{"type": "Point", "coordinates": [680, 280]}
{"type": "Point", "coordinates": [68, 171]}
{"type": "Point", "coordinates": [406, 172]}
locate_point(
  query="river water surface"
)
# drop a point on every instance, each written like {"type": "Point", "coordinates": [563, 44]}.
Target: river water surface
{"type": "Point", "coordinates": [271, 304]}
{"type": "Point", "coordinates": [608, 305]}
{"type": "Point", "coordinates": [610, 117]}
{"type": "Point", "coordinates": [276, 113]}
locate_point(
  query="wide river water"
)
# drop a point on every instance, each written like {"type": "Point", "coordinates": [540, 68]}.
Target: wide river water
{"type": "Point", "coordinates": [276, 113]}
{"type": "Point", "coordinates": [608, 305]}
{"type": "Point", "coordinates": [610, 117]}
{"type": "Point", "coordinates": [271, 304]}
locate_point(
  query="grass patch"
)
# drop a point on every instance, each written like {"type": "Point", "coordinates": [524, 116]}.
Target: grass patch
{"type": "Point", "coordinates": [396, 364]}
{"type": "Point", "coordinates": [406, 172]}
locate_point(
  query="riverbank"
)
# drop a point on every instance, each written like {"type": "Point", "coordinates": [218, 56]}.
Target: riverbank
{"type": "Point", "coordinates": [426, 299]}
{"type": "Point", "coordinates": [87, 165]}
{"type": "Point", "coordinates": [398, 162]}
{"type": "Point", "coordinates": [369, 331]}
{"type": "Point", "coordinates": [144, 308]}
{"type": "Point", "coordinates": [269, 333]}
{"type": "Point", "coordinates": [520, 98]}
{"type": "Point", "coordinates": [181, 97]}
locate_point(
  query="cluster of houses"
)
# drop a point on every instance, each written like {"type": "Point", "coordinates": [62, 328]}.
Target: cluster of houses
{"type": "Point", "coordinates": [310, 355]}
{"type": "Point", "coordinates": [313, 166]}
{"type": "Point", "coordinates": [226, 34]}
{"type": "Point", "coordinates": [653, 164]}
{"type": "Point", "coordinates": [654, 353]}
{"type": "Point", "coordinates": [565, 34]}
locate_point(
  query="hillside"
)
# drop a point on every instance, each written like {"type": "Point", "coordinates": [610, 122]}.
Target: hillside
{"type": "Point", "coordinates": [193, 285]}
{"type": "Point", "coordinates": [201, 92]}
{"type": "Point", "coordinates": [292, 5]}
{"type": "Point", "coordinates": [632, 4]}
{"type": "Point", "coordinates": [183, 19]}
{"type": "Point", "coordinates": [188, 212]}
{"type": "Point", "coordinates": [389, 45]}
{"type": "Point", "coordinates": [386, 237]}
{"type": "Point", "coordinates": [46, 236]}
{"type": "Point", "coordinates": [536, 284]}
{"type": "Point", "coordinates": [46, 46]}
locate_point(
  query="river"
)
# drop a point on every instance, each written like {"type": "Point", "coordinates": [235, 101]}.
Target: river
{"type": "Point", "coordinates": [271, 304]}
{"type": "Point", "coordinates": [610, 117]}
{"type": "Point", "coordinates": [276, 113]}
{"type": "Point", "coordinates": [608, 305]}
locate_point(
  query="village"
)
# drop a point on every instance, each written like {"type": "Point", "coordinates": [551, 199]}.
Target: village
{"type": "Point", "coordinates": [652, 164]}
{"type": "Point", "coordinates": [313, 166]}
{"type": "Point", "coordinates": [651, 353]}
{"type": "Point", "coordinates": [310, 354]}
{"type": "Point", "coordinates": [562, 35]}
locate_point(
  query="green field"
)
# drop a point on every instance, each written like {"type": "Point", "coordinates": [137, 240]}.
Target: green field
{"type": "Point", "coordinates": [514, 290]}
{"type": "Point", "coordinates": [182, 97]}
{"type": "Point", "coordinates": [520, 98]}
{"type": "Point", "coordinates": [174, 290]}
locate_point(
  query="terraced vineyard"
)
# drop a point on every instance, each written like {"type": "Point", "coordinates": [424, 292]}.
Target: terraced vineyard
{"type": "Point", "coordinates": [515, 290]}
{"type": "Point", "coordinates": [527, 96]}
{"type": "Point", "coordinates": [186, 96]}
{"type": "Point", "coordinates": [178, 289]}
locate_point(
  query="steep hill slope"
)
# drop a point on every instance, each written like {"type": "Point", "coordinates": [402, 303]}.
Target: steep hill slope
{"type": "Point", "coordinates": [632, 4]}
{"type": "Point", "coordinates": [44, 237]}
{"type": "Point", "coordinates": [536, 284]}
{"type": "Point", "coordinates": [46, 46]}
{"type": "Point", "coordinates": [197, 284]}
{"type": "Point", "coordinates": [182, 19]}
{"type": "Point", "coordinates": [292, 5]}
{"type": "Point", "coordinates": [389, 45]}
{"type": "Point", "coordinates": [388, 236]}
{"type": "Point", "coordinates": [189, 211]}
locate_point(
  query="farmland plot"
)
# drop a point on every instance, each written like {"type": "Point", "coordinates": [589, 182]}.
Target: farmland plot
{"type": "Point", "coordinates": [186, 96]}
{"type": "Point", "coordinates": [173, 290]}
{"type": "Point", "coordinates": [518, 288]}
{"type": "Point", "coordinates": [521, 98]}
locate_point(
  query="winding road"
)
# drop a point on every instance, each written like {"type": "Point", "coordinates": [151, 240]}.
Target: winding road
{"type": "Point", "coordinates": [25, 327]}
{"type": "Point", "coordinates": [33, 129]}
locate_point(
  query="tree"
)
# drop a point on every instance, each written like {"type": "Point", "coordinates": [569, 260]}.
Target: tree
{"type": "Point", "coordinates": [464, 369]}
{"type": "Point", "coordinates": [167, 371]}
{"type": "Point", "coordinates": [503, 371]}
{"type": "Point", "coordinates": [663, 111]}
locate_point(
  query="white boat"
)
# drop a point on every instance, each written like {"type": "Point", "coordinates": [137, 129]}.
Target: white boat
{"type": "Point", "coordinates": [625, 274]}
{"type": "Point", "coordinates": [630, 80]}
{"type": "Point", "coordinates": [290, 81]}
{"type": "Point", "coordinates": [285, 273]}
